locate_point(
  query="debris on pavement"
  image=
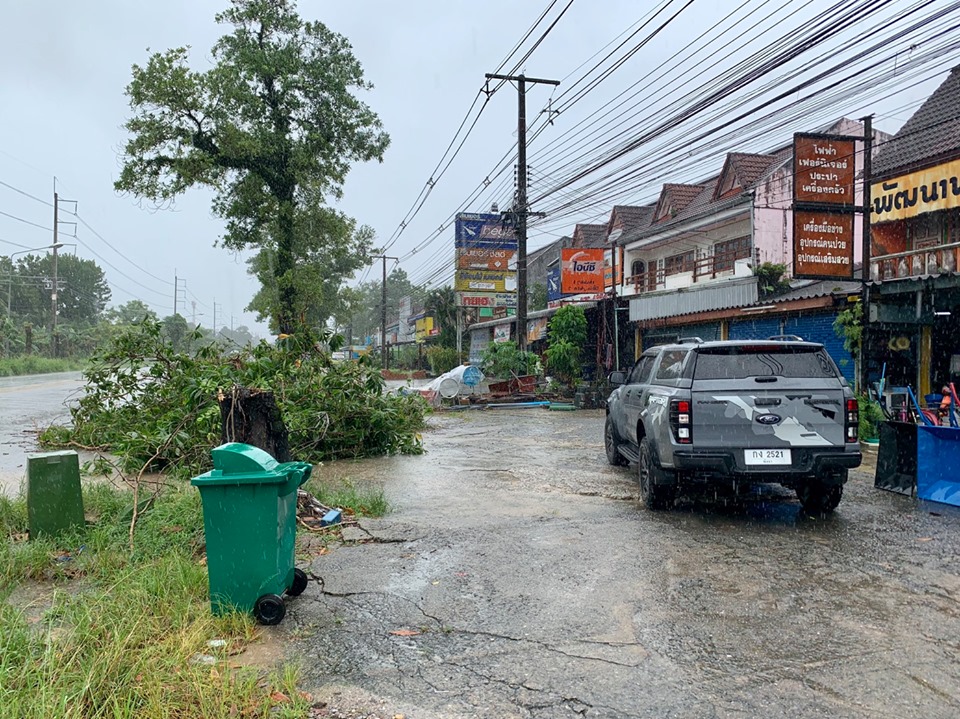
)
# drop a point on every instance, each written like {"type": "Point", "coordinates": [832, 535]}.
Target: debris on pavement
{"type": "Point", "coordinates": [316, 516]}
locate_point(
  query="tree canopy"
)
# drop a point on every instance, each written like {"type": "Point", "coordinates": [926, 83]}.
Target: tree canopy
{"type": "Point", "coordinates": [273, 127]}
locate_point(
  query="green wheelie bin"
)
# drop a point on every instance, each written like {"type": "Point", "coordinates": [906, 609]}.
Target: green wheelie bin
{"type": "Point", "coordinates": [250, 524]}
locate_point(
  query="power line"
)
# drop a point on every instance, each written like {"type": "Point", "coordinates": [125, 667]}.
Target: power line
{"type": "Point", "coordinates": [26, 222]}
{"type": "Point", "coordinates": [26, 194]}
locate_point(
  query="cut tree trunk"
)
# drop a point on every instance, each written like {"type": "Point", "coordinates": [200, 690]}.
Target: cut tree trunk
{"type": "Point", "coordinates": [251, 416]}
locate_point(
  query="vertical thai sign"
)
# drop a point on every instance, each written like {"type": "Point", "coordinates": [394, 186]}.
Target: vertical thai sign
{"type": "Point", "coordinates": [822, 244]}
{"type": "Point", "coordinates": [824, 168]}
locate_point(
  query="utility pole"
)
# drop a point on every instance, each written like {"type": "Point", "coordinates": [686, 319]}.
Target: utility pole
{"type": "Point", "coordinates": [867, 251]}
{"type": "Point", "coordinates": [53, 293]}
{"type": "Point", "coordinates": [521, 211]}
{"type": "Point", "coordinates": [214, 317]}
{"type": "Point", "coordinates": [384, 358]}
{"type": "Point", "coordinates": [193, 313]}
{"type": "Point", "coordinates": [176, 287]}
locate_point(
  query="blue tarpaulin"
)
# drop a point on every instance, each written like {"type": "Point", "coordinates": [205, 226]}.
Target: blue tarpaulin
{"type": "Point", "coordinates": [938, 456]}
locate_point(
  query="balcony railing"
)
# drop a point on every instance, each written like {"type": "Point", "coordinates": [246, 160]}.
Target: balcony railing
{"type": "Point", "coordinates": [706, 268]}
{"type": "Point", "coordinates": [913, 263]}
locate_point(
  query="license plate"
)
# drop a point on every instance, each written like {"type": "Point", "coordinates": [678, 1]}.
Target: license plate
{"type": "Point", "coordinates": [766, 456]}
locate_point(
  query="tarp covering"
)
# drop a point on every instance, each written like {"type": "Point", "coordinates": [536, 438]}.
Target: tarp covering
{"type": "Point", "coordinates": [938, 455]}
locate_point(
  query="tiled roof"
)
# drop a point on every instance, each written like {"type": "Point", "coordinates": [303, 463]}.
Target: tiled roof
{"type": "Point", "coordinates": [681, 195]}
{"type": "Point", "coordinates": [633, 217]}
{"type": "Point", "coordinates": [750, 168]}
{"type": "Point", "coordinates": [590, 235]}
{"type": "Point", "coordinates": [932, 132]}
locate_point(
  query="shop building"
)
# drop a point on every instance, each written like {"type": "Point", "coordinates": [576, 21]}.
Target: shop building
{"type": "Point", "coordinates": [913, 327]}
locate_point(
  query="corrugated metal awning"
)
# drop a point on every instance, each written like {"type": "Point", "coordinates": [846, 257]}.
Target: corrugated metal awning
{"type": "Point", "coordinates": [672, 303]}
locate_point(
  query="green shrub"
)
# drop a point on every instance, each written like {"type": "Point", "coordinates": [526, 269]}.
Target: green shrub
{"type": "Point", "coordinates": [505, 360]}
{"type": "Point", "coordinates": [442, 359]}
{"type": "Point", "coordinates": [870, 418]}
{"type": "Point", "coordinates": [563, 361]}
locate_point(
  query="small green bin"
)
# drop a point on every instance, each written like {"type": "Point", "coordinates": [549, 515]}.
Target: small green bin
{"type": "Point", "coordinates": [250, 523]}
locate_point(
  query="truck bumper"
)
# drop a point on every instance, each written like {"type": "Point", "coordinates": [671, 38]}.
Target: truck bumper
{"type": "Point", "coordinates": [807, 461]}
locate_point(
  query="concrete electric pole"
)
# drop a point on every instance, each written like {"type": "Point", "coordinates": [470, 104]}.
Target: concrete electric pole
{"type": "Point", "coordinates": [384, 359]}
{"type": "Point", "coordinates": [521, 210]}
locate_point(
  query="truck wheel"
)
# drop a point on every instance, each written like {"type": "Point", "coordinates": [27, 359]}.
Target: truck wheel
{"type": "Point", "coordinates": [611, 443]}
{"type": "Point", "coordinates": [819, 498]}
{"type": "Point", "coordinates": [653, 492]}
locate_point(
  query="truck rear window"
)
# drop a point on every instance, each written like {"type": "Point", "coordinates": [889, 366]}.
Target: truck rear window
{"type": "Point", "coordinates": [762, 361]}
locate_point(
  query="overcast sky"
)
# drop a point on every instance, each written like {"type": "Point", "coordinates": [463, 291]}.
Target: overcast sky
{"type": "Point", "coordinates": [64, 67]}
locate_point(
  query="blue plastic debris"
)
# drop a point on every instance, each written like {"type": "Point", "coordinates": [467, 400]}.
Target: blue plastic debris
{"type": "Point", "coordinates": [332, 517]}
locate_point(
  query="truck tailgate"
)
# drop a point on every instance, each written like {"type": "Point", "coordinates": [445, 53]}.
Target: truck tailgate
{"type": "Point", "coordinates": [779, 412]}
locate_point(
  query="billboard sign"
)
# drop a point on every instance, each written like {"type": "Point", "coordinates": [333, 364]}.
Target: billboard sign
{"type": "Point", "coordinates": [906, 196]}
{"type": "Point", "coordinates": [484, 258]}
{"type": "Point", "coordinates": [487, 299]}
{"type": "Point", "coordinates": [486, 230]}
{"type": "Point", "coordinates": [581, 270]}
{"type": "Point", "coordinates": [824, 167]}
{"type": "Point", "coordinates": [485, 281]}
{"type": "Point", "coordinates": [822, 244]}
{"type": "Point", "coordinates": [501, 333]}
{"type": "Point", "coordinates": [553, 285]}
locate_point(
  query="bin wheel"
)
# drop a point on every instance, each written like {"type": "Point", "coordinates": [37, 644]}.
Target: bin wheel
{"type": "Point", "coordinates": [269, 609]}
{"type": "Point", "coordinates": [299, 583]}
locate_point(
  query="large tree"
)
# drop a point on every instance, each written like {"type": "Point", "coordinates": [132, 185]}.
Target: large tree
{"type": "Point", "coordinates": [83, 295]}
{"type": "Point", "coordinates": [273, 127]}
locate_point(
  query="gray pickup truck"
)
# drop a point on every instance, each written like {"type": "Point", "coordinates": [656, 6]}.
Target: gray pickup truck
{"type": "Point", "coordinates": [763, 411]}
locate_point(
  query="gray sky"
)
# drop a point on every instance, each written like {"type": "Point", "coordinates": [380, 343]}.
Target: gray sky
{"type": "Point", "coordinates": [64, 65]}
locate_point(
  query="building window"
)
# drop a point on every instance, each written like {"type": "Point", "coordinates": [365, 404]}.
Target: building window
{"type": "Point", "coordinates": [725, 254]}
{"type": "Point", "coordinates": [676, 264]}
{"type": "Point", "coordinates": [638, 267]}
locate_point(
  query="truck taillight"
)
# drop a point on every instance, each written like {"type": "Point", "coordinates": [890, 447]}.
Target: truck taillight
{"type": "Point", "coordinates": [852, 423]}
{"type": "Point", "coordinates": [681, 421]}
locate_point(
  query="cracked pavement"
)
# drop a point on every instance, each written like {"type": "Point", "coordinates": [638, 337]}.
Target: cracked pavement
{"type": "Point", "coordinates": [518, 576]}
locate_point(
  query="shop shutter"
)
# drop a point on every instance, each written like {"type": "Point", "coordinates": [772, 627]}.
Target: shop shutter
{"type": "Point", "coordinates": [818, 327]}
{"type": "Point", "coordinates": [758, 328]}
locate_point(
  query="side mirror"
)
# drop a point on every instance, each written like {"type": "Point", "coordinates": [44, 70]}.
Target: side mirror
{"type": "Point", "coordinates": [617, 378]}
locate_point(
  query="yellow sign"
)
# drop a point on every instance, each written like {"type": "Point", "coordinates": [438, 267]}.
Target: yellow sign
{"type": "Point", "coordinates": [486, 281]}
{"type": "Point", "coordinates": [936, 188]}
{"type": "Point", "coordinates": [424, 329]}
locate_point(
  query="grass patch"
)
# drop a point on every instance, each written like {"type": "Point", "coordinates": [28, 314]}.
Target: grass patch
{"type": "Point", "coordinates": [121, 642]}
{"type": "Point", "coordinates": [30, 364]}
{"type": "Point", "coordinates": [360, 501]}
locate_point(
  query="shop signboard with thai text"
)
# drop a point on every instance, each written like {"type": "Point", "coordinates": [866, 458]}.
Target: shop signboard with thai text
{"type": "Point", "coordinates": [581, 270]}
{"type": "Point", "coordinates": [900, 198]}
{"type": "Point", "coordinates": [822, 244]}
{"type": "Point", "coordinates": [486, 257]}
{"type": "Point", "coordinates": [487, 299]}
{"type": "Point", "coordinates": [824, 167]}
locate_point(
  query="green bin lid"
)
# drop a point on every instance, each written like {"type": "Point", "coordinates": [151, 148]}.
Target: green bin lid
{"type": "Point", "coordinates": [238, 463]}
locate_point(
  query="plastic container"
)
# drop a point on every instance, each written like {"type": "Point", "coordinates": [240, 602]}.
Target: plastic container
{"type": "Point", "coordinates": [250, 524]}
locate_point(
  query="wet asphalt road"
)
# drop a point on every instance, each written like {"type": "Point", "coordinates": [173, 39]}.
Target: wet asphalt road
{"type": "Point", "coordinates": [28, 404]}
{"type": "Point", "coordinates": [518, 577]}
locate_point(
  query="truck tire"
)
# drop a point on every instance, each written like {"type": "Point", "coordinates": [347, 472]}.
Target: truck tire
{"type": "Point", "coordinates": [657, 489]}
{"type": "Point", "coordinates": [819, 498]}
{"type": "Point", "coordinates": [611, 442]}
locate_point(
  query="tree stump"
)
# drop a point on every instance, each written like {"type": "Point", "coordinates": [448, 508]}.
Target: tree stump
{"type": "Point", "coordinates": [251, 416]}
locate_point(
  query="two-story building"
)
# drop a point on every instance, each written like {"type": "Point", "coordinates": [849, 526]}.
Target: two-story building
{"type": "Point", "coordinates": [705, 263]}
{"type": "Point", "coordinates": [913, 328]}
